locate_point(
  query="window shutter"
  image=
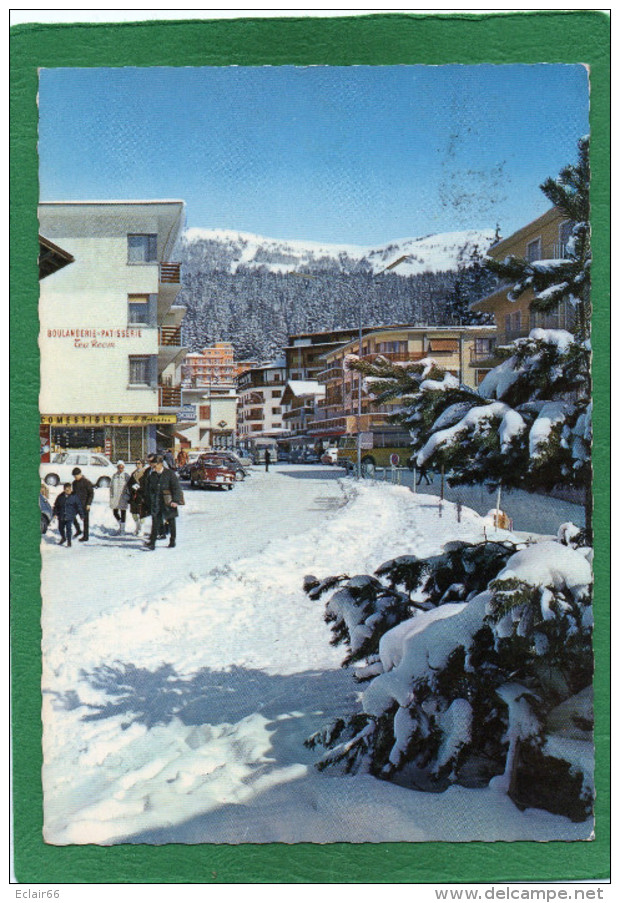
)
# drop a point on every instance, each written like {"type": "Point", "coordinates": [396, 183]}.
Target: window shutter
{"type": "Point", "coordinates": [152, 312]}
{"type": "Point", "coordinates": [153, 370]}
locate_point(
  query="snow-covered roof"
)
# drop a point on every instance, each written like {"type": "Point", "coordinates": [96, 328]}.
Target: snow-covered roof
{"type": "Point", "coordinates": [301, 387]}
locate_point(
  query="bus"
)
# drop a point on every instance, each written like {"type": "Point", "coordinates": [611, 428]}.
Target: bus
{"type": "Point", "coordinates": [379, 446]}
{"type": "Point", "coordinates": [257, 447]}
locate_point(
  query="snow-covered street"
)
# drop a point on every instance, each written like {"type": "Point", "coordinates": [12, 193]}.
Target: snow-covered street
{"type": "Point", "coordinates": [179, 685]}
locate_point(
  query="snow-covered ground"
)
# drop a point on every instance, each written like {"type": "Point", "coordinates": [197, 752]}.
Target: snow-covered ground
{"type": "Point", "coordinates": [179, 685]}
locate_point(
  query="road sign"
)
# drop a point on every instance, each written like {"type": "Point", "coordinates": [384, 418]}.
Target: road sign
{"type": "Point", "coordinates": [394, 460]}
{"type": "Point", "coordinates": [366, 440]}
{"type": "Point", "coordinates": [187, 412]}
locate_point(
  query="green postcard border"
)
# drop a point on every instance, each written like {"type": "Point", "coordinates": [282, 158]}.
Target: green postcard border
{"type": "Point", "coordinates": [578, 36]}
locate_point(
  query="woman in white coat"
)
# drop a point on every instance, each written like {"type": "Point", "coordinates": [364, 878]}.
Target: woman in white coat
{"type": "Point", "coordinates": [120, 495]}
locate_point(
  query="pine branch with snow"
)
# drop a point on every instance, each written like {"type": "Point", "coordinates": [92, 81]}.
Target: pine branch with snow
{"type": "Point", "coordinates": [470, 691]}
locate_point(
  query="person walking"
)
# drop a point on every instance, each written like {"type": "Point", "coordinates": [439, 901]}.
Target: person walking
{"type": "Point", "coordinates": [137, 504]}
{"type": "Point", "coordinates": [164, 497]}
{"type": "Point", "coordinates": [119, 495]}
{"type": "Point", "coordinates": [84, 490]}
{"type": "Point", "coordinates": [169, 459]}
{"type": "Point", "coordinates": [66, 508]}
{"type": "Point", "coordinates": [423, 474]}
{"type": "Point", "coordinates": [267, 459]}
{"type": "Point", "coordinates": [182, 459]}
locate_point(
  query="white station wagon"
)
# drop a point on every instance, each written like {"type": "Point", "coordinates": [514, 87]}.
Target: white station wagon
{"type": "Point", "coordinates": [96, 467]}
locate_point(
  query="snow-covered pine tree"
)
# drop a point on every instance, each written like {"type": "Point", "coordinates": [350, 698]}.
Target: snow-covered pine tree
{"type": "Point", "coordinates": [472, 281]}
{"type": "Point", "coordinates": [490, 679]}
{"type": "Point", "coordinates": [528, 425]}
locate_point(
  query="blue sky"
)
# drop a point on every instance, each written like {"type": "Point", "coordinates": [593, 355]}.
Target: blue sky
{"type": "Point", "coordinates": [359, 154]}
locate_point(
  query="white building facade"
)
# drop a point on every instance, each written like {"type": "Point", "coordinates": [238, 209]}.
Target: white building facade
{"type": "Point", "coordinates": [110, 337]}
{"type": "Point", "coordinates": [260, 401]}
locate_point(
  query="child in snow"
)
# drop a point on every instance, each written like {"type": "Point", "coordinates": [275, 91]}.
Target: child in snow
{"type": "Point", "coordinates": [66, 508]}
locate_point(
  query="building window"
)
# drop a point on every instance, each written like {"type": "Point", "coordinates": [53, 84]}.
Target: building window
{"type": "Point", "coordinates": [276, 393]}
{"type": "Point", "coordinates": [533, 250]}
{"type": "Point", "coordinates": [140, 310]}
{"type": "Point", "coordinates": [205, 412]}
{"type": "Point", "coordinates": [484, 346]}
{"type": "Point", "coordinates": [142, 370]}
{"type": "Point", "coordinates": [277, 426]}
{"type": "Point", "coordinates": [141, 248]}
{"type": "Point", "coordinates": [276, 410]}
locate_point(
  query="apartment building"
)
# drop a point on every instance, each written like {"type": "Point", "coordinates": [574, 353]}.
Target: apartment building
{"type": "Point", "coordinates": [300, 403]}
{"type": "Point", "coordinates": [545, 238]}
{"type": "Point", "coordinates": [304, 351]}
{"type": "Point", "coordinates": [260, 400]}
{"type": "Point", "coordinates": [452, 347]}
{"type": "Point", "coordinates": [110, 328]}
{"type": "Point", "coordinates": [212, 366]}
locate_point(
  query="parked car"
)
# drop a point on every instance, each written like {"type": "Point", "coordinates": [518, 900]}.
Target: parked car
{"type": "Point", "coordinates": [212, 470]}
{"type": "Point", "coordinates": [243, 459]}
{"type": "Point", "coordinates": [235, 463]}
{"type": "Point", "coordinates": [95, 466]}
{"type": "Point", "coordinates": [183, 473]}
{"type": "Point", "coordinates": [330, 456]}
{"type": "Point", "coordinates": [46, 512]}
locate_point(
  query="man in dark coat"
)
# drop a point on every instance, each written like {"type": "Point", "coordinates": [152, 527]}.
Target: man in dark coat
{"type": "Point", "coordinates": [83, 489]}
{"type": "Point", "coordinates": [267, 458]}
{"type": "Point", "coordinates": [66, 508]}
{"type": "Point", "coordinates": [164, 495]}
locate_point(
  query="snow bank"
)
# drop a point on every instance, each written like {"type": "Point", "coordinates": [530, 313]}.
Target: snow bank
{"type": "Point", "coordinates": [178, 690]}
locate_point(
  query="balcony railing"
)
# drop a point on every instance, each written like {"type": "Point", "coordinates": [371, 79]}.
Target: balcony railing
{"type": "Point", "coordinates": [169, 396]}
{"type": "Point", "coordinates": [170, 273]}
{"type": "Point", "coordinates": [170, 335]}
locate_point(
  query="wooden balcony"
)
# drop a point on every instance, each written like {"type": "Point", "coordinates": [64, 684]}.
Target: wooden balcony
{"type": "Point", "coordinates": [170, 273]}
{"type": "Point", "coordinates": [170, 336]}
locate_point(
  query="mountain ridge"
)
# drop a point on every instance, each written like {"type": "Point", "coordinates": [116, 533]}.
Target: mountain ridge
{"type": "Point", "coordinates": [433, 252]}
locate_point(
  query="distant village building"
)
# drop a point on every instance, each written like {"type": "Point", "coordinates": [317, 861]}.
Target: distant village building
{"type": "Point", "coordinates": [214, 365]}
{"type": "Point", "coordinates": [451, 347]}
{"type": "Point", "coordinates": [110, 334]}
{"type": "Point", "coordinates": [209, 413]}
{"type": "Point", "coordinates": [545, 238]}
{"type": "Point", "coordinates": [300, 403]}
{"type": "Point", "coordinates": [260, 400]}
{"type": "Point", "coordinates": [304, 351]}
{"type": "Point", "coordinates": [209, 417]}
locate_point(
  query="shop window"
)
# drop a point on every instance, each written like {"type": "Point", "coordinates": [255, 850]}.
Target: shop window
{"type": "Point", "coordinates": [142, 370]}
{"type": "Point", "coordinates": [141, 248]}
{"type": "Point", "coordinates": [142, 310]}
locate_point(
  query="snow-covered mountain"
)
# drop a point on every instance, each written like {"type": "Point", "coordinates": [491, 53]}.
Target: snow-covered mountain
{"type": "Point", "coordinates": [228, 250]}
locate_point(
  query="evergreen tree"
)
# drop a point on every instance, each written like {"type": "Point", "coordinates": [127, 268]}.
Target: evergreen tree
{"type": "Point", "coordinates": [485, 678]}
{"type": "Point", "coordinates": [473, 280]}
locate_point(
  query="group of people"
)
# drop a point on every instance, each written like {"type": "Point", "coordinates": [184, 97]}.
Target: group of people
{"type": "Point", "coordinates": [152, 490]}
